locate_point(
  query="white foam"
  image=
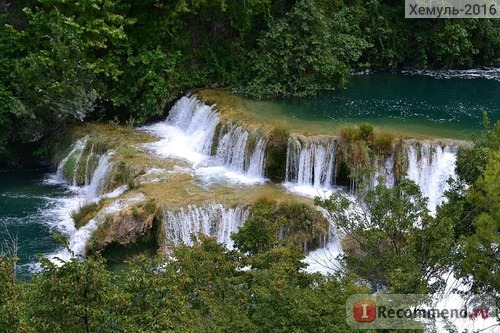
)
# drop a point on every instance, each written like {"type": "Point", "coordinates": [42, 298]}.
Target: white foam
{"type": "Point", "coordinates": [220, 174]}
{"type": "Point", "coordinates": [213, 220]}
{"type": "Point", "coordinates": [451, 299]}
{"type": "Point", "coordinates": [188, 134]}
{"type": "Point", "coordinates": [488, 73]}
{"type": "Point", "coordinates": [430, 166]}
{"type": "Point", "coordinates": [309, 191]}
{"type": "Point", "coordinates": [323, 260]}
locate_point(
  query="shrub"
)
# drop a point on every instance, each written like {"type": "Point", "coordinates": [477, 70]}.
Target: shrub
{"type": "Point", "coordinates": [85, 213]}
{"type": "Point", "coordinates": [276, 153]}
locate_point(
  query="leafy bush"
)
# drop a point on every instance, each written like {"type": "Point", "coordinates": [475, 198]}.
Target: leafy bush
{"type": "Point", "coordinates": [276, 153]}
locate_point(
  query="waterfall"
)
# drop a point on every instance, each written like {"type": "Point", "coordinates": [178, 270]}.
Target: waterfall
{"type": "Point", "coordinates": [99, 178]}
{"type": "Point", "coordinates": [213, 220]}
{"type": "Point", "coordinates": [231, 148]}
{"type": "Point", "coordinates": [236, 151]}
{"type": "Point", "coordinates": [197, 120]}
{"type": "Point", "coordinates": [75, 153]}
{"type": "Point", "coordinates": [310, 165]}
{"type": "Point", "coordinates": [95, 169]}
{"type": "Point", "coordinates": [94, 191]}
{"type": "Point", "coordinates": [311, 161]}
{"type": "Point", "coordinates": [430, 166]}
{"type": "Point", "coordinates": [194, 132]}
{"type": "Point", "coordinates": [257, 158]}
{"type": "Point", "coordinates": [384, 169]}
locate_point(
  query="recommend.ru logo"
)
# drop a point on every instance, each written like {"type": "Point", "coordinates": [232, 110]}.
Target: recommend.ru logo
{"type": "Point", "coordinates": [408, 311]}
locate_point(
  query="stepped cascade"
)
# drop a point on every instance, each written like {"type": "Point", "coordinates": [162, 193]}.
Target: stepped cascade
{"type": "Point", "coordinates": [93, 190]}
{"type": "Point", "coordinates": [213, 220]}
{"type": "Point", "coordinates": [311, 161]}
{"type": "Point", "coordinates": [194, 131]}
{"type": "Point", "coordinates": [198, 133]}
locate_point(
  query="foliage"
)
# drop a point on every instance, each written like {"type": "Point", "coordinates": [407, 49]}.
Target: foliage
{"type": "Point", "coordinates": [481, 255]}
{"type": "Point", "coordinates": [83, 214]}
{"type": "Point", "coordinates": [358, 145]}
{"type": "Point", "coordinates": [77, 296]}
{"type": "Point", "coordinates": [206, 288]}
{"type": "Point", "coordinates": [272, 224]}
{"type": "Point", "coordinates": [300, 54]}
{"type": "Point", "coordinates": [11, 306]}
{"type": "Point", "coordinates": [472, 207]}
{"type": "Point", "coordinates": [69, 51]}
{"type": "Point", "coordinates": [390, 238]}
{"type": "Point", "coordinates": [128, 60]}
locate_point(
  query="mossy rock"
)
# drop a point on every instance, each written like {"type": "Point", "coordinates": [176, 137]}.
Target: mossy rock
{"type": "Point", "coordinates": [133, 228]}
{"type": "Point", "coordinates": [85, 213]}
{"type": "Point", "coordinates": [124, 173]}
{"type": "Point", "coordinates": [276, 151]}
{"type": "Point", "coordinates": [297, 222]}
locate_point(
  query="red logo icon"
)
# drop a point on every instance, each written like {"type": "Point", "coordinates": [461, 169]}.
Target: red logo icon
{"type": "Point", "coordinates": [364, 311]}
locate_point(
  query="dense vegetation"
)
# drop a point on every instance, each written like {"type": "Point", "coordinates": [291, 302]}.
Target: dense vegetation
{"type": "Point", "coordinates": [64, 61]}
{"type": "Point", "coordinates": [257, 288]}
{"type": "Point", "coordinates": [391, 243]}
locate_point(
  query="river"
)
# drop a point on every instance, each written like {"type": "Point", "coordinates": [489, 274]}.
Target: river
{"type": "Point", "coordinates": [35, 203]}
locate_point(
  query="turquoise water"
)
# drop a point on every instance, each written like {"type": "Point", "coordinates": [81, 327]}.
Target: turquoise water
{"type": "Point", "coordinates": [419, 104]}
{"type": "Point", "coordinates": [30, 206]}
{"type": "Point", "coordinates": [25, 212]}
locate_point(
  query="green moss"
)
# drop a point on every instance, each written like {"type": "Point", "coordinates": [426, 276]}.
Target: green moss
{"type": "Point", "coordinates": [124, 174]}
{"type": "Point", "coordinates": [69, 166]}
{"type": "Point", "coordinates": [399, 159]}
{"type": "Point", "coordinates": [215, 141]}
{"type": "Point", "coordinates": [85, 213]}
{"type": "Point", "coordinates": [276, 153]}
{"type": "Point", "coordinates": [132, 231]}
{"type": "Point", "coordinates": [297, 222]}
{"type": "Point", "coordinates": [81, 169]}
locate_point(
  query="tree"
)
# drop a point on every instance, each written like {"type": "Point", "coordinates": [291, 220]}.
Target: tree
{"type": "Point", "coordinates": [480, 252]}
{"type": "Point", "coordinates": [11, 304]}
{"type": "Point", "coordinates": [69, 49]}
{"type": "Point", "coordinates": [301, 53]}
{"type": "Point", "coordinates": [77, 296]}
{"type": "Point", "coordinates": [473, 211]}
{"type": "Point", "coordinates": [153, 301]}
{"type": "Point", "coordinates": [390, 240]}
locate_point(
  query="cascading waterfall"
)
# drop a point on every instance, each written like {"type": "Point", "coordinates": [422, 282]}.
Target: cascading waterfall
{"type": "Point", "coordinates": [197, 120]}
{"type": "Point", "coordinates": [193, 131]}
{"type": "Point", "coordinates": [385, 170]}
{"type": "Point", "coordinates": [235, 151]}
{"type": "Point", "coordinates": [231, 147]}
{"type": "Point", "coordinates": [95, 178]}
{"type": "Point", "coordinates": [98, 179]}
{"type": "Point", "coordinates": [213, 220]}
{"type": "Point", "coordinates": [82, 195]}
{"type": "Point", "coordinates": [430, 166]}
{"type": "Point", "coordinates": [75, 153]}
{"type": "Point", "coordinates": [257, 158]}
{"type": "Point", "coordinates": [311, 161]}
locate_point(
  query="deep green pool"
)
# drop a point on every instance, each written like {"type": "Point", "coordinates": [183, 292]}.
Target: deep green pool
{"type": "Point", "coordinates": [31, 208]}
{"type": "Point", "coordinates": [27, 204]}
{"type": "Point", "coordinates": [415, 104]}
